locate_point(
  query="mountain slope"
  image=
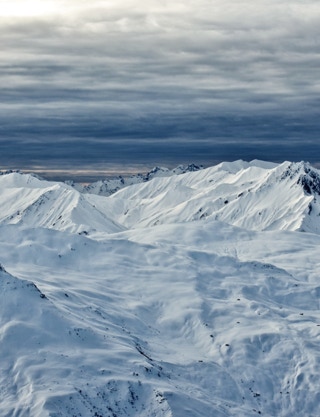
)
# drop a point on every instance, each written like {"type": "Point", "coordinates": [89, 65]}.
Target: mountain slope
{"type": "Point", "coordinates": [110, 186]}
{"type": "Point", "coordinates": [253, 195]}
{"type": "Point", "coordinates": [143, 304]}
{"type": "Point", "coordinates": [174, 326]}
{"type": "Point", "coordinates": [26, 200]}
{"type": "Point", "coordinates": [256, 196]}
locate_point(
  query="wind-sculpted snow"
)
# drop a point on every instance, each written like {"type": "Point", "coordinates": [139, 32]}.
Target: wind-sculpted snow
{"type": "Point", "coordinates": [30, 202]}
{"type": "Point", "coordinates": [256, 196]}
{"type": "Point", "coordinates": [191, 317]}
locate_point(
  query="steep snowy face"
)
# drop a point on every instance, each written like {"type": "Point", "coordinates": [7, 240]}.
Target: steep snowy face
{"type": "Point", "coordinates": [28, 201]}
{"type": "Point", "coordinates": [256, 196]}
{"type": "Point", "coordinates": [308, 178]}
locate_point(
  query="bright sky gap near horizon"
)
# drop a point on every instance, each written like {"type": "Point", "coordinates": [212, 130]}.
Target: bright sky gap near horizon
{"type": "Point", "coordinates": [115, 85]}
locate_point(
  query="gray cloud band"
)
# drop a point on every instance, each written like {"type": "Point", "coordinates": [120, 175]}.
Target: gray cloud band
{"type": "Point", "coordinates": [128, 71]}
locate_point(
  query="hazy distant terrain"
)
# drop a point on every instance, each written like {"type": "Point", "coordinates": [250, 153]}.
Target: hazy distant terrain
{"type": "Point", "coordinates": [167, 295]}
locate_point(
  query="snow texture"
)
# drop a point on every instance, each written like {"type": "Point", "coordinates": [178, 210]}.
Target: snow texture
{"type": "Point", "coordinates": [183, 295]}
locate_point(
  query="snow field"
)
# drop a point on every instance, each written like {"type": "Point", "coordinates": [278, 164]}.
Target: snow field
{"type": "Point", "coordinates": [108, 314]}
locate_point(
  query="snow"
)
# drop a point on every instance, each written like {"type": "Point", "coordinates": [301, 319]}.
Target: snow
{"type": "Point", "coordinates": [111, 185]}
{"type": "Point", "coordinates": [138, 305]}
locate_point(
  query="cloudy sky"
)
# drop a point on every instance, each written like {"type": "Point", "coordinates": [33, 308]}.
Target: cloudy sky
{"type": "Point", "coordinates": [124, 84]}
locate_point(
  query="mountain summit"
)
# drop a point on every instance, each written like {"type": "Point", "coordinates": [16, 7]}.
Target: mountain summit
{"type": "Point", "coordinates": [255, 195]}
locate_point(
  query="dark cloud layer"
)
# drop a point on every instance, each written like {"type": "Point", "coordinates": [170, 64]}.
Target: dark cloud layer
{"type": "Point", "coordinates": [100, 83]}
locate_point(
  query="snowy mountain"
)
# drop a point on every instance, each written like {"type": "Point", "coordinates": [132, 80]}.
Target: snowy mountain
{"type": "Point", "coordinates": [186, 295]}
{"type": "Point", "coordinates": [31, 202]}
{"type": "Point", "coordinates": [109, 186]}
{"type": "Point", "coordinates": [255, 196]}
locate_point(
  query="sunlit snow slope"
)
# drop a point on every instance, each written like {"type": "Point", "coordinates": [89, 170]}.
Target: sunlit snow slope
{"type": "Point", "coordinates": [256, 196]}
{"type": "Point", "coordinates": [194, 295]}
{"type": "Point", "coordinates": [30, 202]}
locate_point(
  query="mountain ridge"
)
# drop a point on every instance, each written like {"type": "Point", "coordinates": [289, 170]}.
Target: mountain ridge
{"type": "Point", "coordinates": [189, 295]}
{"type": "Point", "coordinates": [255, 195]}
{"type": "Point", "coordinates": [110, 186]}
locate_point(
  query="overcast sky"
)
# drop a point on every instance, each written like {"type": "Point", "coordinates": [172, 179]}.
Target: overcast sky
{"type": "Point", "coordinates": [105, 84]}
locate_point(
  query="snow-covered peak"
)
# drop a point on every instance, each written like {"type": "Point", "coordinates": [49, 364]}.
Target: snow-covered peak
{"type": "Point", "coordinates": [254, 195]}
{"type": "Point", "coordinates": [31, 202]}
{"type": "Point", "coordinates": [310, 180]}
{"type": "Point", "coordinates": [18, 179]}
{"type": "Point", "coordinates": [111, 185]}
{"type": "Point", "coordinates": [104, 314]}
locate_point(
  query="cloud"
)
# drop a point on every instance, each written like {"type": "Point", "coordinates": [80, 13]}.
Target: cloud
{"type": "Point", "coordinates": [161, 73]}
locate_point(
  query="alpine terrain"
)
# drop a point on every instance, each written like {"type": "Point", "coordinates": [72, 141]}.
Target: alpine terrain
{"type": "Point", "coordinates": [185, 293]}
